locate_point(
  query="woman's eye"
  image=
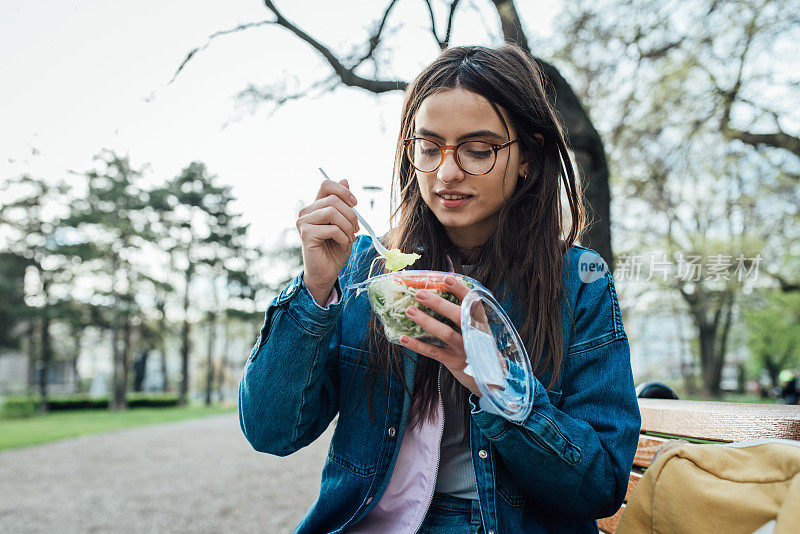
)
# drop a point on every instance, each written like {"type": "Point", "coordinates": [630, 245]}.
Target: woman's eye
{"type": "Point", "coordinates": [479, 154]}
{"type": "Point", "coordinates": [430, 152]}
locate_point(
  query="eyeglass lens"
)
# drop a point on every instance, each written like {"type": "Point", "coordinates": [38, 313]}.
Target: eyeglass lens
{"type": "Point", "coordinates": [474, 157]}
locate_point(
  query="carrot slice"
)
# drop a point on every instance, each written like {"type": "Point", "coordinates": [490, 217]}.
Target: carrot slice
{"type": "Point", "coordinates": [425, 283]}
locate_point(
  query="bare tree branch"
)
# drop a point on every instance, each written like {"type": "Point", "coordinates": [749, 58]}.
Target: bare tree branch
{"type": "Point", "coordinates": [453, 6]}
{"type": "Point", "coordinates": [443, 43]}
{"type": "Point", "coordinates": [346, 75]}
{"type": "Point", "coordinates": [278, 94]}
{"type": "Point", "coordinates": [375, 38]}
{"type": "Point", "coordinates": [196, 50]}
{"type": "Point", "coordinates": [655, 53]}
{"type": "Point", "coordinates": [777, 139]}
{"type": "Point", "coordinates": [433, 23]}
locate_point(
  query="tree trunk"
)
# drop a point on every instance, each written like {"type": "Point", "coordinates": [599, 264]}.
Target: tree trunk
{"type": "Point", "coordinates": [772, 371]}
{"type": "Point", "coordinates": [76, 376]}
{"type": "Point", "coordinates": [710, 380]}
{"type": "Point", "coordinates": [115, 355]}
{"type": "Point", "coordinates": [164, 374]}
{"type": "Point", "coordinates": [584, 139]}
{"type": "Point", "coordinates": [46, 355]}
{"type": "Point", "coordinates": [210, 358]}
{"type": "Point", "coordinates": [162, 328]}
{"type": "Point", "coordinates": [212, 338]}
{"type": "Point", "coordinates": [185, 342]}
{"type": "Point", "coordinates": [121, 386]}
{"type": "Point", "coordinates": [713, 338]}
{"type": "Point", "coordinates": [223, 366]}
{"type": "Point", "coordinates": [78, 347]}
{"type": "Point", "coordinates": [46, 358]}
{"type": "Point", "coordinates": [32, 356]}
{"type": "Point", "coordinates": [140, 370]}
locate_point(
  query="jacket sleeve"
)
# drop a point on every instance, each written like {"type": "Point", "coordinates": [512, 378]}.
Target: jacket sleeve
{"type": "Point", "coordinates": [288, 394]}
{"type": "Point", "coordinates": [575, 459]}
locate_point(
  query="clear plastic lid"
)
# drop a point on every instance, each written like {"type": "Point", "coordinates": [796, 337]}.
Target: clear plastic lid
{"type": "Point", "coordinates": [496, 357]}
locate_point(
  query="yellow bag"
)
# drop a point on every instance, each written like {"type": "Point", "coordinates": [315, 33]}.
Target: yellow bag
{"type": "Point", "coordinates": [731, 488]}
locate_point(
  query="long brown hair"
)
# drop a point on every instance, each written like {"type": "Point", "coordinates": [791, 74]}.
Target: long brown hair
{"type": "Point", "coordinates": [525, 253]}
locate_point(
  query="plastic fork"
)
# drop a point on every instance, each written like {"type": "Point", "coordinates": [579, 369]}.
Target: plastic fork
{"type": "Point", "coordinates": [383, 251]}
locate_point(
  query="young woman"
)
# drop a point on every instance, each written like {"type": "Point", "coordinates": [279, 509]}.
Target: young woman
{"type": "Point", "coordinates": [480, 162]}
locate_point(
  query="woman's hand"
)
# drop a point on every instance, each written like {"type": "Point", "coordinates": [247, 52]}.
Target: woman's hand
{"type": "Point", "coordinates": [327, 229]}
{"type": "Point", "coordinates": [452, 356]}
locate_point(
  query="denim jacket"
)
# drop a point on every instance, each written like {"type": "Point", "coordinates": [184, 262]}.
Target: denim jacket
{"type": "Point", "coordinates": [563, 467]}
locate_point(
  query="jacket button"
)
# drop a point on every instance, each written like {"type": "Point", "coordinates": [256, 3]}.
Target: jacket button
{"type": "Point", "coordinates": [482, 453]}
{"type": "Point", "coordinates": [391, 431]}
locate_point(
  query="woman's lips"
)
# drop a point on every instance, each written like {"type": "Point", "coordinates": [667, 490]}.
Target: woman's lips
{"type": "Point", "coordinates": [453, 203]}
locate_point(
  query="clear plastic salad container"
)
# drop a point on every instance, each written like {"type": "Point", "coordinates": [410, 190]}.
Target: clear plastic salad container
{"type": "Point", "coordinates": [496, 356]}
{"type": "Point", "coordinates": [391, 293]}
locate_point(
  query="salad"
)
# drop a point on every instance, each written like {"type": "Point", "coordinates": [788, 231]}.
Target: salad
{"type": "Point", "coordinates": [390, 294]}
{"type": "Point", "coordinates": [397, 260]}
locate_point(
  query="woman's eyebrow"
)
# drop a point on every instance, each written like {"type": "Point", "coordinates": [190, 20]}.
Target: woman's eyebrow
{"type": "Point", "coordinates": [477, 133]}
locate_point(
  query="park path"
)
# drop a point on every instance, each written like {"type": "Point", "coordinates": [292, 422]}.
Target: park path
{"type": "Point", "coordinates": [197, 475]}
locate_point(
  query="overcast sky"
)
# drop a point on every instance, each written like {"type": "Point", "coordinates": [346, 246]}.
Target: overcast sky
{"type": "Point", "coordinates": [84, 75]}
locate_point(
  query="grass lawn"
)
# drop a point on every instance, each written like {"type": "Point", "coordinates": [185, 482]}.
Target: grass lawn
{"type": "Point", "coordinates": [50, 427]}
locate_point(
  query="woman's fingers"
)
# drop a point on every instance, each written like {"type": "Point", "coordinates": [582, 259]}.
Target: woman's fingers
{"type": "Point", "coordinates": [340, 189]}
{"type": "Point", "coordinates": [456, 286]}
{"type": "Point", "coordinates": [426, 349]}
{"type": "Point", "coordinates": [430, 351]}
{"type": "Point", "coordinates": [438, 304]}
{"type": "Point", "coordinates": [318, 233]}
{"type": "Point", "coordinates": [330, 210]}
{"type": "Point", "coordinates": [453, 360]}
{"type": "Point", "coordinates": [434, 327]}
{"type": "Point", "coordinates": [335, 201]}
{"type": "Point", "coordinates": [443, 306]}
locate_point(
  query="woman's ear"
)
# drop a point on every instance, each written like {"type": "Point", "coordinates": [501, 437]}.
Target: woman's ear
{"type": "Point", "coordinates": [525, 166]}
{"type": "Point", "coordinates": [525, 162]}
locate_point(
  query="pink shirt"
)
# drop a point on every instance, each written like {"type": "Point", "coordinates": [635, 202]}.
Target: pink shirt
{"type": "Point", "coordinates": [405, 501]}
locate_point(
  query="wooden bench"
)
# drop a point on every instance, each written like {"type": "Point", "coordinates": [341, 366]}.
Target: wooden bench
{"type": "Point", "coordinates": [702, 422]}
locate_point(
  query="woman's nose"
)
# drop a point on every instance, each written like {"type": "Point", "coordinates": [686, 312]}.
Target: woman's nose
{"type": "Point", "coordinates": [449, 171]}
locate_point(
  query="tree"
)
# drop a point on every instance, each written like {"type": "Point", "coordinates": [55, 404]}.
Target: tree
{"type": "Point", "coordinates": [350, 71]}
{"type": "Point", "coordinates": [690, 69]}
{"type": "Point", "coordinates": [77, 315]}
{"type": "Point", "coordinates": [202, 236]}
{"type": "Point", "coordinates": [13, 310]}
{"type": "Point", "coordinates": [689, 187]}
{"type": "Point", "coordinates": [33, 228]}
{"type": "Point", "coordinates": [112, 222]}
{"type": "Point", "coordinates": [773, 327]}
{"type": "Point", "coordinates": [224, 259]}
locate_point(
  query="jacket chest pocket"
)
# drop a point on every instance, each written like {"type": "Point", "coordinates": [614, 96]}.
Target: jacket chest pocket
{"type": "Point", "coordinates": [357, 439]}
{"type": "Point", "coordinates": [351, 357]}
{"type": "Point", "coordinates": [507, 488]}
